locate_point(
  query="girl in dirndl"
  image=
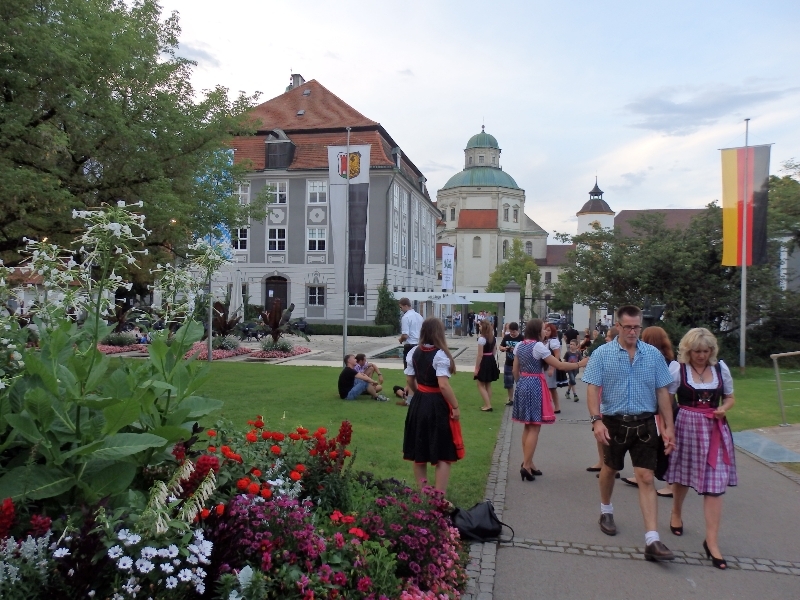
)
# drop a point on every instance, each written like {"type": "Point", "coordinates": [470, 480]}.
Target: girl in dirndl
{"type": "Point", "coordinates": [486, 369]}
{"type": "Point", "coordinates": [532, 403]}
{"type": "Point", "coordinates": [704, 458]}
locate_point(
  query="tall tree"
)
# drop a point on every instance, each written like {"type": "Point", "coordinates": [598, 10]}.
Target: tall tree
{"type": "Point", "coordinates": [517, 266]}
{"type": "Point", "coordinates": [97, 107]}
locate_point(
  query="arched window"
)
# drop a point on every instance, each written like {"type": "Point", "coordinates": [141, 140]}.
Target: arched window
{"type": "Point", "coordinates": [529, 248]}
{"type": "Point", "coordinates": [476, 247]}
{"type": "Point", "coordinates": [505, 249]}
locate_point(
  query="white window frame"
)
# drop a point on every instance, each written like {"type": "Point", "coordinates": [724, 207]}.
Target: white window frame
{"type": "Point", "coordinates": [477, 248]}
{"type": "Point", "coordinates": [452, 213]}
{"type": "Point", "coordinates": [529, 248]}
{"type": "Point", "coordinates": [318, 296]}
{"type": "Point", "coordinates": [315, 187]}
{"type": "Point", "coordinates": [280, 188]}
{"type": "Point", "coordinates": [277, 240]}
{"type": "Point", "coordinates": [240, 236]}
{"type": "Point", "coordinates": [505, 249]}
{"type": "Point", "coordinates": [505, 214]}
{"type": "Point", "coordinates": [516, 215]}
{"type": "Point", "coordinates": [316, 235]}
{"type": "Point", "coordinates": [355, 300]}
{"type": "Point", "coordinates": [395, 242]}
{"type": "Point", "coordinates": [404, 229]}
{"type": "Point", "coordinates": [481, 159]}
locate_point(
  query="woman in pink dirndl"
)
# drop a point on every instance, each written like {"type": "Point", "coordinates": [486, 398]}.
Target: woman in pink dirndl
{"type": "Point", "coordinates": [532, 402]}
{"type": "Point", "coordinates": [704, 458]}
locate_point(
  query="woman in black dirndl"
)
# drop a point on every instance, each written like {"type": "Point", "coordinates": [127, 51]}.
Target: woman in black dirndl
{"type": "Point", "coordinates": [486, 369]}
{"type": "Point", "coordinates": [432, 431]}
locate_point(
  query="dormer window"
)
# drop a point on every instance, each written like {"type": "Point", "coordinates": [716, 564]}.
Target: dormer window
{"type": "Point", "coordinates": [279, 151]}
{"type": "Point", "coordinates": [480, 159]}
{"type": "Point", "coordinates": [516, 215]}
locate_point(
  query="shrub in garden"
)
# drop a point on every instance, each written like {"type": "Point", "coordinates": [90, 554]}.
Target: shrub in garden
{"type": "Point", "coordinates": [225, 342]}
{"type": "Point", "coordinates": [268, 345]}
{"type": "Point", "coordinates": [120, 339]}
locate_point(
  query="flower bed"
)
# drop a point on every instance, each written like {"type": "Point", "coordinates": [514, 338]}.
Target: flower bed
{"type": "Point", "coordinates": [246, 515]}
{"type": "Point", "coordinates": [201, 350]}
{"type": "Point", "coordinates": [105, 349]}
{"type": "Point", "coordinates": [296, 351]}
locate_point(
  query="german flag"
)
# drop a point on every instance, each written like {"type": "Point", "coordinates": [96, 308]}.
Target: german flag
{"type": "Point", "coordinates": [748, 165]}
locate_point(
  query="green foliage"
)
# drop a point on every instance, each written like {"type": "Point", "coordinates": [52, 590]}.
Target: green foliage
{"type": "Point", "coordinates": [517, 266]}
{"type": "Point", "coordinates": [784, 203]}
{"type": "Point", "coordinates": [225, 342]}
{"type": "Point", "coordinates": [121, 339]}
{"type": "Point", "coordinates": [75, 430]}
{"type": "Point", "coordinates": [98, 107]}
{"type": "Point", "coordinates": [388, 310]}
{"type": "Point", "coordinates": [281, 345]}
{"type": "Point", "coordinates": [336, 329]}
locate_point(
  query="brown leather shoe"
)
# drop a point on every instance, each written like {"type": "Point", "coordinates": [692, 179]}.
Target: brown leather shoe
{"type": "Point", "coordinates": [657, 551]}
{"type": "Point", "coordinates": [607, 525]}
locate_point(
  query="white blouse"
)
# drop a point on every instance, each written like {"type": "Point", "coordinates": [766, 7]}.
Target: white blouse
{"type": "Point", "coordinates": [440, 362]}
{"type": "Point", "coordinates": [727, 380]}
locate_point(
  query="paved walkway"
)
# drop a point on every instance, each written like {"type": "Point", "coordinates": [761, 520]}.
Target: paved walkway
{"type": "Point", "coordinates": [558, 550]}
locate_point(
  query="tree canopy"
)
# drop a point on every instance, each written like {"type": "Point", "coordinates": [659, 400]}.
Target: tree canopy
{"type": "Point", "coordinates": [517, 266]}
{"type": "Point", "coordinates": [97, 106]}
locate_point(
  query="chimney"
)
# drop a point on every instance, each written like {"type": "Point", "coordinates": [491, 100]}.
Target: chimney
{"type": "Point", "coordinates": [397, 154]}
{"type": "Point", "coordinates": [297, 80]}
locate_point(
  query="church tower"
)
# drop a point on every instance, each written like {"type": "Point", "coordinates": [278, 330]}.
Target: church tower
{"type": "Point", "coordinates": [596, 210]}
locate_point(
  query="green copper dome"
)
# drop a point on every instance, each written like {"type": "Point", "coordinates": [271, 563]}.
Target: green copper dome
{"type": "Point", "coordinates": [482, 140]}
{"type": "Point", "coordinates": [481, 177]}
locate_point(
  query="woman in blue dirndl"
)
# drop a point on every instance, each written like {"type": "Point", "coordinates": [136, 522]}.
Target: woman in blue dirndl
{"type": "Point", "coordinates": [532, 402]}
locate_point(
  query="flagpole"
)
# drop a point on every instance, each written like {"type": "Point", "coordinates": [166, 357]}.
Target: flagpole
{"type": "Point", "coordinates": [743, 300]}
{"type": "Point", "coordinates": [346, 246]}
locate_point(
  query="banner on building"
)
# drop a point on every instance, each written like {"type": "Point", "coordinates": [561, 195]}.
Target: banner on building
{"type": "Point", "coordinates": [745, 181]}
{"type": "Point", "coordinates": [448, 262]}
{"type": "Point", "coordinates": [350, 211]}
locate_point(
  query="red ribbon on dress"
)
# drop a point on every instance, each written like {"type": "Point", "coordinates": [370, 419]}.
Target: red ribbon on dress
{"type": "Point", "coordinates": [428, 388]}
{"type": "Point", "coordinates": [717, 432]}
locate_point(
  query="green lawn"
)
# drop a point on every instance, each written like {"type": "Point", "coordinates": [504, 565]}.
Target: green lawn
{"type": "Point", "coordinates": [290, 396]}
{"type": "Point", "coordinates": [756, 395]}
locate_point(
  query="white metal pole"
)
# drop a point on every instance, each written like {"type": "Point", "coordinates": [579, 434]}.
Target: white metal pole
{"type": "Point", "coordinates": [346, 247]}
{"type": "Point", "coordinates": [743, 299]}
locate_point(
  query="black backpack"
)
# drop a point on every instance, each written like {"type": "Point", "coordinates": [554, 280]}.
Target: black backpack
{"type": "Point", "coordinates": [479, 523]}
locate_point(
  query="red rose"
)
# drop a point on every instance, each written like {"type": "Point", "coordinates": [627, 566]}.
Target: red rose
{"type": "Point", "coordinates": [313, 452]}
{"type": "Point", "coordinates": [276, 449]}
{"type": "Point", "coordinates": [348, 453]}
{"type": "Point", "coordinates": [278, 436]}
{"type": "Point", "coordinates": [251, 437]}
{"type": "Point", "coordinates": [259, 424]}
{"type": "Point", "coordinates": [347, 519]}
{"type": "Point", "coordinates": [333, 454]}
{"type": "Point", "coordinates": [294, 476]}
{"type": "Point", "coordinates": [322, 431]}
{"type": "Point", "coordinates": [220, 509]}
{"type": "Point", "coordinates": [243, 483]}
{"type": "Point", "coordinates": [300, 468]}
{"type": "Point", "coordinates": [211, 433]}
{"type": "Point", "coordinates": [302, 430]}
{"type": "Point", "coordinates": [212, 448]}
{"type": "Point", "coordinates": [204, 513]}
{"type": "Point", "coordinates": [266, 493]}
{"type": "Point", "coordinates": [294, 436]}
{"type": "Point", "coordinates": [265, 435]}
{"type": "Point", "coordinates": [252, 488]}
{"type": "Point", "coordinates": [256, 472]}
{"type": "Point", "coordinates": [336, 516]}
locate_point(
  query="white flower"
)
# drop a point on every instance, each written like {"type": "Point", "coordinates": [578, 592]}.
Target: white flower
{"type": "Point", "coordinates": [192, 559]}
{"type": "Point", "coordinates": [144, 565]}
{"type": "Point", "coordinates": [123, 534]}
{"type": "Point", "coordinates": [115, 552]}
{"type": "Point", "coordinates": [172, 551]}
{"type": "Point", "coordinates": [176, 562]}
{"type": "Point", "coordinates": [200, 572]}
{"type": "Point", "coordinates": [60, 553]}
{"type": "Point", "coordinates": [172, 583]}
{"type": "Point", "coordinates": [133, 538]}
{"type": "Point", "coordinates": [91, 594]}
{"type": "Point", "coordinates": [121, 203]}
{"type": "Point", "coordinates": [149, 552]}
{"type": "Point", "coordinates": [167, 568]}
{"type": "Point", "coordinates": [125, 563]}
{"type": "Point", "coordinates": [185, 575]}
{"type": "Point", "coordinates": [200, 587]}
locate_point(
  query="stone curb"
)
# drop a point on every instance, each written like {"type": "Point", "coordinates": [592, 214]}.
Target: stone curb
{"type": "Point", "coordinates": [781, 567]}
{"type": "Point", "coordinates": [482, 556]}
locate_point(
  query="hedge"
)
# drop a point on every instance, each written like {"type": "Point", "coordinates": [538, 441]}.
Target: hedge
{"type": "Point", "coordinates": [335, 329]}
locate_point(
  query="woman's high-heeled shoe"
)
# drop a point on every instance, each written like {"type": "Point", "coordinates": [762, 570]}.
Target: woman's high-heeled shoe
{"type": "Point", "coordinates": [526, 475]}
{"type": "Point", "coordinates": [534, 472]}
{"type": "Point", "coordinates": [717, 562]}
{"type": "Point", "coordinates": [676, 530]}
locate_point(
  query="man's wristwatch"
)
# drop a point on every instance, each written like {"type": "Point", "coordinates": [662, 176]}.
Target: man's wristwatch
{"type": "Point", "coordinates": [594, 418]}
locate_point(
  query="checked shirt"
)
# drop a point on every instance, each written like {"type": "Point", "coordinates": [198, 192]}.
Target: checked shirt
{"type": "Point", "coordinates": [629, 388]}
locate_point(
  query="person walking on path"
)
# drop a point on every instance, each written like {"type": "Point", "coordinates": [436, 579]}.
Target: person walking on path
{"type": "Point", "coordinates": [410, 324]}
{"type": "Point", "coordinates": [704, 458]}
{"type": "Point", "coordinates": [610, 335]}
{"type": "Point", "coordinates": [486, 370]}
{"type": "Point", "coordinates": [432, 430]}
{"type": "Point", "coordinates": [571, 356]}
{"type": "Point", "coordinates": [634, 379]}
{"type": "Point", "coordinates": [510, 340]}
{"type": "Point", "coordinates": [471, 323]}
{"type": "Point", "coordinates": [551, 341]}
{"type": "Point", "coordinates": [532, 403]}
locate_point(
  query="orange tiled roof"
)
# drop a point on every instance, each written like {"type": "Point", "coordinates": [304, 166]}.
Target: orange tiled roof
{"type": "Point", "coordinates": [323, 110]}
{"type": "Point", "coordinates": [473, 218]}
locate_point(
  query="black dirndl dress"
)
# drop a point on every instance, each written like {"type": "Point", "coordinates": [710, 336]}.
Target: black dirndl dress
{"type": "Point", "coordinates": [427, 437]}
{"type": "Point", "coordinates": [488, 371]}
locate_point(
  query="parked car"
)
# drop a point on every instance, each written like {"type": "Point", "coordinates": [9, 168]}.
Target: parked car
{"type": "Point", "coordinates": [553, 318]}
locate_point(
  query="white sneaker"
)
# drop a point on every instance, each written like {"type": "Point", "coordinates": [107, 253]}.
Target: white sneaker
{"type": "Point", "coordinates": [381, 398]}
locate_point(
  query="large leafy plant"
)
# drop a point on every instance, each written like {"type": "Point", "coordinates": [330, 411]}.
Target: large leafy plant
{"type": "Point", "coordinates": [73, 428]}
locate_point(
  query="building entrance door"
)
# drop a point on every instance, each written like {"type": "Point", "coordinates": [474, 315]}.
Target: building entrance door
{"type": "Point", "coordinates": [276, 288]}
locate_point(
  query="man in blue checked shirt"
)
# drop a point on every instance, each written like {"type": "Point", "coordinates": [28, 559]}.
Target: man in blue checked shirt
{"type": "Point", "coordinates": [634, 379]}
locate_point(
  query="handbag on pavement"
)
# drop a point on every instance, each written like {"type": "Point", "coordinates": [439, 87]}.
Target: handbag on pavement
{"type": "Point", "coordinates": [479, 523]}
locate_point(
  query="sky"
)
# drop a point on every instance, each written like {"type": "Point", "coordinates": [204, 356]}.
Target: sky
{"type": "Point", "coordinates": [640, 94]}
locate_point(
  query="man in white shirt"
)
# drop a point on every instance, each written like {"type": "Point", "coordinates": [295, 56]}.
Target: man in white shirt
{"type": "Point", "coordinates": [410, 325]}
